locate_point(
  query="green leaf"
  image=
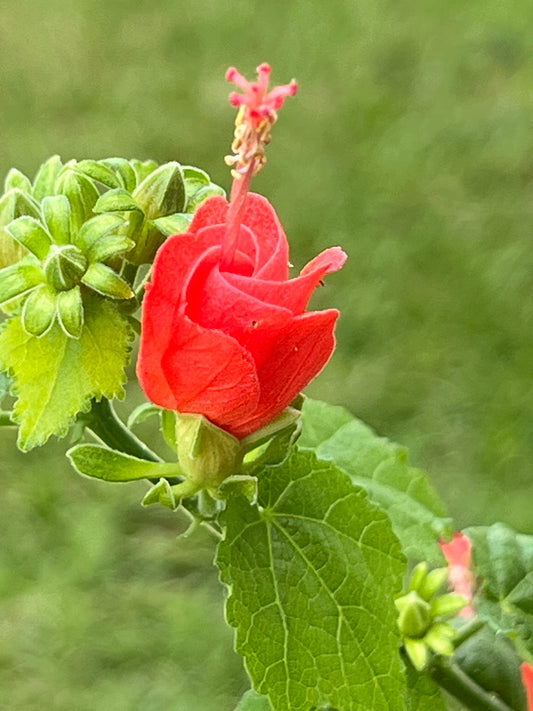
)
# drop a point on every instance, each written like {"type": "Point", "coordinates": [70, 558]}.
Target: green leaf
{"type": "Point", "coordinates": [45, 180]}
{"type": "Point", "coordinates": [55, 376]}
{"type": "Point", "coordinates": [162, 192]}
{"type": "Point", "coordinates": [105, 281]}
{"type": "Point", "coordinates": [503, 560]}
{"type": "Point", "coordinates": [31, 234]}
{"type": "Point", "coordinates": [118, 200]}
{"type": "Point", "coordinates": [99, 462]}
{"type": "Point", "coordinates": [312, 571]}
{"type": "Point", "coordinates": [142, 168]}
{"type": "Point", "coordinates": [418, 516]}
{"type": "Point", "coordinates": [56, 213]}
{"type": "Point", "coordinates": [82, 195]}
{"type": "Point", "coordinates": [108, 247]}
{"type": "Point", "coordinates": [252, 701]}
{"type": "Point", "coordinates": [18, 279]}
{"type": "Point", "coordinates": [422, 693]}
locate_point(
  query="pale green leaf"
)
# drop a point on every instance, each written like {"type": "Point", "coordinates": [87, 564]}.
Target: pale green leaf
{"type": "Point", "coordinates": [39, 310]}
{"type": "Point", "coordinates": [31, 234]}
{"type": "Point", "coordinates": [252, 701]}
{"type": "Point", "coordinates": [45, 180]}
{"type": "Point", "coordinates": [55, 376]}
{"type": "Point", "coordinates": [70, 311]}
{"type": "Point", "coordinates": [503, 560]}
{"type": "Point", "coordinates": [100, 462]}
{"type": "Point", "coordinates": [312, 571]}
{"type": "Point", "coordinates": [56, 214]}
{"type": "Point", "coordinates": [18, 279]}
{"type": "Point", "coordinates": [418, 516]}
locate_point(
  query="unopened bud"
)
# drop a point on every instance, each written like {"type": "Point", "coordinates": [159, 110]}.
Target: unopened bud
{"type": "Point", "coordinates": [64, 266]}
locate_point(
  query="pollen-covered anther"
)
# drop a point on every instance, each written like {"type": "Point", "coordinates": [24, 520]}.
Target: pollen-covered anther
{"type": "Point", "coordinates": [257, 114]}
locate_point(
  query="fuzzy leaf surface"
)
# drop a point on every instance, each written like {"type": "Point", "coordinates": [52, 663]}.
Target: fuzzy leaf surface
{"type": "Point", "coordinates": [503, 560]}
{"type": "Point", "coordinates": [100, 462]}
{"type": "Point", "coordinates": [381, 468]}
{"type": "Point", "coordinates": [55, 376]}
{"type": "Point", "coordinates": [313, 570]}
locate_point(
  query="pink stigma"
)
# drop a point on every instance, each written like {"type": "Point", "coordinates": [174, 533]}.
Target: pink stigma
{"type": "Point", "coordinates": [259, 102]}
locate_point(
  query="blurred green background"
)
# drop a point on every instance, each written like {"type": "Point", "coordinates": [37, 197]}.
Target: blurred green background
{"type": "Point", "coordinates": [410, 143]}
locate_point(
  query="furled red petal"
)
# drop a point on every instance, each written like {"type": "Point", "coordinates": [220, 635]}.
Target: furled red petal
{"type": "Point", "coordinates": [213, 302]}
{"type": "Point", "coordinates": [171, 270]}
{"type": "Point", "coordinates": [272, 258]}
{"type": "Point", "coordinates": [287, 359]}
{"type": "Point", "coordinates": [527, 676]}
{"type": "Point", "coordinates": [209, 373]}
{"type": "Point", "coordinates": [295, 293]}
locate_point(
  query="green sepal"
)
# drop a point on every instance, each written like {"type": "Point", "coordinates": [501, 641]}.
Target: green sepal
{"type": "Point", "coordinates": [13, 204]}
{"type": "Point", "coordinates": [433, 582]}
{"type": "Point", "coordinates": [201, 196]}
{"type": "Point", "coordinates": [105, 281]}
{"type": "Point", "coordinates": [96, 228]}
{"type": "Point", "coordinates": [124, 172]}
{"type": "Point", "coordinates": [56, 214]}
{"type": "Point", "coordinates": [18, 279]}
{"type": "Point", "coordinates": [414, 615]}
{"type": "Point", "coordinates": [272, 444]}
{"type": "Point", "coordinates": [16, 179]}
{"type": "Point", "coordinates": [45, 180]}
{"type": "Point", "coordinates": [439, 638]}
{"type": "Point", "coordinates": [97, 170]}
{"type": "Point", "coordinates": [117, 200]}
{"type": "Point", "coordinates": [162, 192]}
{"type": "Point", "coordinates": [70, 311]}
{"type": "Point", "coordinates": [142, 412]}
{"type": "Point", "coordinates": [31, 234]}
{"type": "Point", "coordinates": [161, 493]}
{"type": "Point", "coordinates": [99, 462]}
{"type": "Point", "coordinates": [418, 576]}
{"type": "Point", "coordinates": [207, 453]}
{"type": "Point", "coordinates": [39, 310]}
{"type": "Point", "coordinates": [142, 168]}
{"type": "Point", "coordinates": [417, 652]}
{"type": "Point", "coordinates": [108, 247]}
{"type": "Point", "coordinates": [173, 224]}
{"type": "Point", "coordinates": [65, 266]}
{"type": "Point", "coordinates": [448, 605]}
{"type": "Point", "coordinates": [82, 195]}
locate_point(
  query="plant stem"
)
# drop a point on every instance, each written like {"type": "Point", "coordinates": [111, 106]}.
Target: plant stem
{"type": "Point", "coordinates": [104, 423]}
{"type": "Point", "coordinates": [458, 684]}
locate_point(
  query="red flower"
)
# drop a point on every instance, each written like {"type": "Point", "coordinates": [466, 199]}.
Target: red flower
{"type": "Point", "coordinates": [231, 341]}
{"type": "Point", "coordinates": [458, 553]}
{"type": "Point", "coordinates": [527, 676]}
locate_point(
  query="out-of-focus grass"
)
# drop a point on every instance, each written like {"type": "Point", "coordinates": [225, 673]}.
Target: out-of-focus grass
{"type": "Point", "coordinates": [411, 144]}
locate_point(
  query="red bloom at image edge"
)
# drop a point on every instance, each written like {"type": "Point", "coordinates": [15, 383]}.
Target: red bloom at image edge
{"type": "Point", "coordinates": [458, 553]}
{"type": "Point", "coordinates": [233, 344]}
{"type": "Point", "coordinates": [527, 676]}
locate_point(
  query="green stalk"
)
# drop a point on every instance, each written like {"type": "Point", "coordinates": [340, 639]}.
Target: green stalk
{"type": "Point", "coordinates": [451, 678]}
{"type": "Point", "coordinates": [105, 424]}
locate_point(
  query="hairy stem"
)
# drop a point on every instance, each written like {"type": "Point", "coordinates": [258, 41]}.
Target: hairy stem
{"type": "Point", "coordinates": [451, 678]}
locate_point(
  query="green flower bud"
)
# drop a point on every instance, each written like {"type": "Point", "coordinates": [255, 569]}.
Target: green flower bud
{"type": "Point", "coordinates": [39, 310]}
{"type": "Point", "coordinates": [18, 279]}
{"type": "Point", "coordinates": [16, 179]}
{"type": "Point", "coordinates": [65, 266]}
{"type": "Point", "coordinates": [207, 454]}
{"type": "Point", "coordinates": [31, 234]}
{"type": "Point", "coordinates": [82, 195]}
{"type": "Point", "coordinates": [162, 192]}
{"type": "Point", "coordinates": [105, 281]}
{"type": "Point", "coordinates": [70, 311]}
{"type": "Point", "coordinates": [13, 204]}
{"type": "Point", "coordinates": [415, 615]}
{"type": "Point", "coordinates": [45, 180]}
{"type": "Point", "coordinates": [434, 580]}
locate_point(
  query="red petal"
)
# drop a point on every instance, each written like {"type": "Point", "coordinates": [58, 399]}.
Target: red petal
{"type": "Point", "coordinates": [210, 373]}
{"type": "Point", "coordinates": [273, 257]}
{"type": "Point", "coordinates": [172, 267]}
{"type": "Point", "coordinates": [287, 359]}
{"type": "Point", "coordinates": [295, 293]}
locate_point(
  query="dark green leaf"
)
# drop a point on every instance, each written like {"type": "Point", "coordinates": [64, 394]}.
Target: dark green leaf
{"type": "Point", "coordinates": [503, 560]}
{"type": "Point", "coordinates": [418, 516]}
{"type": "Point", "coordinates": [313, 570]}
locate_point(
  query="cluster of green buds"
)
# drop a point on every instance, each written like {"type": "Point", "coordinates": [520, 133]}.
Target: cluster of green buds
{"type": "Point", "coordinates": [84, 227]}
{"type": "Point", "coordinates": [424, 614]}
